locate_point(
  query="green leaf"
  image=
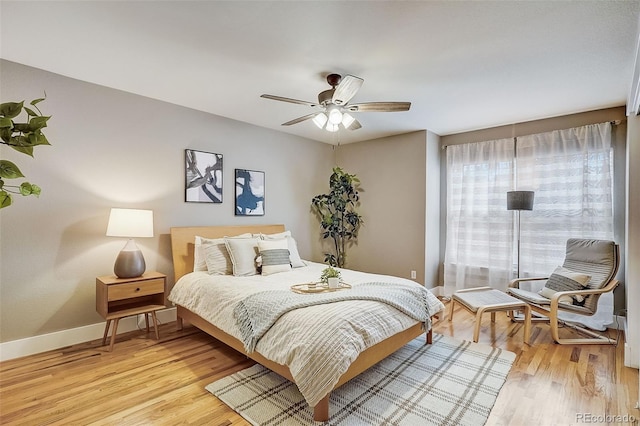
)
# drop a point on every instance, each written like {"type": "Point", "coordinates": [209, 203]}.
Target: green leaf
{"type": "Point", "coordinates": [8, 170]}
{"type": "Point", "coordinates": [37, 101]}
{"type": "Point", "coordinates": [25, 188]}
{"type": "Point", "coordinates": [37, 123]}
{"type": "Point", "coordinates": [5, 199]}
{"type": "Point", "coordinates": [31, 112]}
{"type": "Point", "coordinates": [21, 127]}
{"type": "Point", "coordinates": [23, 149]}
{"type": "Point", "coordinates": [35, 190]}
{"type": "Point", "coordinates": [29, 189]}
{"type": "Point", "coordinates": [5, 122]}
{"type": "Point", "coordinates": [5, 134]}
{"type": "Point", "coordinates": [11, 109]}
{"type": "Point", "coordinates": [38, 138]}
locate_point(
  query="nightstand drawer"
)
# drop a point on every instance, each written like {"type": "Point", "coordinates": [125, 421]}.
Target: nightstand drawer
{"type": "Point", "coordinates": [135, 289]}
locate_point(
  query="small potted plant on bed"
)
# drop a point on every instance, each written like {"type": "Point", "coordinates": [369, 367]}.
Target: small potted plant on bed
{"type": "Point", "coordinates": [331, 277]}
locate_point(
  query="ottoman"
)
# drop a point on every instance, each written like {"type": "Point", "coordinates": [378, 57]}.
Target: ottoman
{"type": "Point", "coordinates": [486, 299]}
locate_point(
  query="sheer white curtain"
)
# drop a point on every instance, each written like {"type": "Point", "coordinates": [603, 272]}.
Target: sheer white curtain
{"type": "Point", "coordinates": [479, 244]}
{"type": "Point", "coordinates": [571, 172]}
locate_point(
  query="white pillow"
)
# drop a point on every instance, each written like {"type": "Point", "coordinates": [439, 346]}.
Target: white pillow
{"type": "Point", "coordinates": [563, 279]}
{"type": "Point", "coordinates": [243, 253]}
{"type": "Point", "coordinates": [199, 257]}
{"type": "Point", "coordinates": [274, 256]}
{"type": "Point", "coordinates": [217, 259]}
{"type": "Point", "coordinates": [294, 256]}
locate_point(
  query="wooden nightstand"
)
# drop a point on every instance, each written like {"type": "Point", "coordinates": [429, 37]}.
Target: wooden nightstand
{"type": "Point", "coordinates": [122, 297]}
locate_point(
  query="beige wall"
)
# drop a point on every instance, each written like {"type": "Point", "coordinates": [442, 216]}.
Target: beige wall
{"type": "Point", "coordinates": [114, 149]}
{"type": "Point", "coordinates": [556, 123]}
{"type": "Point", "coordinates": [632, 272]}
{"type": "Point", "coordinates": [393, 204]}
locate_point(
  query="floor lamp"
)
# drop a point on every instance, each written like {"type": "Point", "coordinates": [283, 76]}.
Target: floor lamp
{"type": "Point", "coordinates": [518, 201]}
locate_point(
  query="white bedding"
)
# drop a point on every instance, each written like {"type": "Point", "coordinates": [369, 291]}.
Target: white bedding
{"type": "Point", "coordinates": [317, 343]}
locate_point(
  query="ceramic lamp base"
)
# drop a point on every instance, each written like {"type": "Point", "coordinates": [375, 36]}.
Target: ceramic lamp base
{"type": "Point", "coordinates": [130, 262]}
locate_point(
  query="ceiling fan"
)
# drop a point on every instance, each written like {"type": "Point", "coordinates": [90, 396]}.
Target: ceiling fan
{"type": "Point", "coordinates": [334, 106]}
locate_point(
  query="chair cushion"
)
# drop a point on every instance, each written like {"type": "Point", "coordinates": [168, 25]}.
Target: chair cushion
{"type": "Point", "coordinates": [597, 258]}
{"type": "Point", "coordinates": [528, 296]}
{"type": "Point", "coordinates": [563, 279]}
{"type": "Point", "coordinates": [543, 302]}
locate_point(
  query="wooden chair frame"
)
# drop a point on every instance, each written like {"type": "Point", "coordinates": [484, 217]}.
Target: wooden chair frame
{"type": "Point", "coordinates": [551, 311]}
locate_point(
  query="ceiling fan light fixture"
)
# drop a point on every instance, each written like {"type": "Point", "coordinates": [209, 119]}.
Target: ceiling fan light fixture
{"type": "Point", "coordinates": [335, 116]}
{"type": "Point", "coordinates": [332, 127]}
{"type": "Point", "coordinates": [320, 120]}
{"type": "Point", "coordinates": [347, 120]}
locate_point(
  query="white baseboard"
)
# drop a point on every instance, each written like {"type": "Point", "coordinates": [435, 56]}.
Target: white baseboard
{"type": "Point", "coordinates": [63, 338]}
{"type": "Point", "coordinates": [438, 291]}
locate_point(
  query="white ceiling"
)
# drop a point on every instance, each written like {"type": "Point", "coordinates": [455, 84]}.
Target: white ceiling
{"type": "Point", "coordinates": [463, 65]}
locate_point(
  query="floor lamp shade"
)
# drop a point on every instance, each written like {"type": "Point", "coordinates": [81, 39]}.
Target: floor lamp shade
{"type": "Point", "coordinates": [130, 223]}
{"type": "Point", "coordinates": [520, 200]}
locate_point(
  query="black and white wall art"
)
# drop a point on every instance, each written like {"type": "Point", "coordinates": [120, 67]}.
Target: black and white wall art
{"type": "Point", "coordinates": [249, 193]}
{"type": "Point", "coordinates": [203, 171]}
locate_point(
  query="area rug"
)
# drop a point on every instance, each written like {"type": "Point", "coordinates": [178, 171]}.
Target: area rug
{"type": "Point", "coordinates": [450, 382]}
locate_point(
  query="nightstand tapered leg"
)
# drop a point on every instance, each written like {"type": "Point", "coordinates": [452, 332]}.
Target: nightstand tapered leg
{"type": "Point", "coordinates": [146, 320]}
{"type": "Point", "coordinates": [113, 333]}
{"type": "Point", "coordinates": [155, 324]}
{"type": "Point", "coordinates": [106, 332]}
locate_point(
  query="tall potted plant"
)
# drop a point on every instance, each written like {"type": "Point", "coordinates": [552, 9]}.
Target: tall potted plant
{"type": "Point", "coordinates": [337, 214]}
{"type": "Point", "coordinates": [23, 137]}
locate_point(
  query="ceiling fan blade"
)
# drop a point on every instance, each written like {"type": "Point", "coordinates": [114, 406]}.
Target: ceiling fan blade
{"type": "Point", "coordinates": [346, 89]}
{"type": "Point", "coordinates": [293, 101]}
{"type": "Point", "coordinates": [379, 107]}
{"type": "Point", "coordinates": [300, 119]}
{"type": "Point", "coordinates": [355, 125]}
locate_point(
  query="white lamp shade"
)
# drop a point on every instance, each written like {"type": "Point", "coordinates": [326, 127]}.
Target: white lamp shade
{"type": "Point", "coordinates": [130, 223]}
{"type": "Point", "coordinates": [320, 120]}
{"type": "Point", "coordinates": [347, 120]}
{"type": "Point", "coordinates": [335, 116]}
{"type": "Point", "coordinates": [332, 127]}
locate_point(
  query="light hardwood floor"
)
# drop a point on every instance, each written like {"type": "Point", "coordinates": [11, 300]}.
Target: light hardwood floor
{"type": "Point", "coordinates": [149, 382]}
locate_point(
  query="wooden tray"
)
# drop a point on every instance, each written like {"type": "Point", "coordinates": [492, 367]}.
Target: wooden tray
{"type": "Point", "coordinates": [308, 288]}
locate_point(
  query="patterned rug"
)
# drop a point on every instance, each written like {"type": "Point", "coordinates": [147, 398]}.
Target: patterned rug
{"type": "Point", "coordinates": [450, 382]}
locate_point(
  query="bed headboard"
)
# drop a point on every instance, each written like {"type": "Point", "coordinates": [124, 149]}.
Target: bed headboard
{"type": "Point", "coordinates": [182, 241]}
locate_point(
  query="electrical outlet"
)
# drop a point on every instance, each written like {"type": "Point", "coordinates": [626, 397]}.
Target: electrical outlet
{"type": "Point", "coordinates": [413, 275]}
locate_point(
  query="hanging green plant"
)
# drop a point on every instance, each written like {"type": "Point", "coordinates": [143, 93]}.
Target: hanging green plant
{"type": "Point", "coordinates": [22, 136]}
{"type": "Point", "coordinates": [337, 214]}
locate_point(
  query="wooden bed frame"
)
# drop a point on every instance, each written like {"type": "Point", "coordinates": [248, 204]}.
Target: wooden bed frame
{"type": "Point", "coordinates": [182, 246]}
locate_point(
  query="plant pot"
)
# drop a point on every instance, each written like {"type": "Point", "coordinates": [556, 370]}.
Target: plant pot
{"type": "Point", "coordinates": [334, 282]}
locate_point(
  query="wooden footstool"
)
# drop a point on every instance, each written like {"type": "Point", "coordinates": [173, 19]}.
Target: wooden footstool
{"type": "Point", "coordinates": [486, 299]}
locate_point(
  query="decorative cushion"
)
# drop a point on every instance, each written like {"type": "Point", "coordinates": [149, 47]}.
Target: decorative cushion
{"type": "Point", "coordinates": [199, 257]}
{"type": "Point", "coordinates": [243, 253]}
{"type": "Point", "coordinates": [294, 256]}
{"type": "Point", "coordinates": [563, 279]}
{"type": "Point", "coordinates": [274, 256]}
{"type": "Point", "coordinates": [217, 258]}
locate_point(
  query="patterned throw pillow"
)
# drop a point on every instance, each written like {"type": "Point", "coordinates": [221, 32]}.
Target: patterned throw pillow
{"type": "Point", "coordinates": [563, 279]}
{"type": "Point", "coordinates": [217, 259]}
{"type": "Point", "coordinates": [274, 256]}
{"type": "Point", "coordinates": [294, 256]}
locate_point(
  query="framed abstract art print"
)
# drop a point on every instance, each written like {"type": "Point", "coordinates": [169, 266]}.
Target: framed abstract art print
{"type": "Point", "coordinates": [203, 175]}
{"type": "Point", "coordinates": [249, 192]}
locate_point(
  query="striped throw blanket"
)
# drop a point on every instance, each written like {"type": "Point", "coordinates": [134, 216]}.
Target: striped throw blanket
{"type": "Point", "coordinates": [258, 312]}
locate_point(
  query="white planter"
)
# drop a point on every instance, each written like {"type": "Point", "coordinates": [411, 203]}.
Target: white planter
{"type": "Point", "coordinates": [334, 282]}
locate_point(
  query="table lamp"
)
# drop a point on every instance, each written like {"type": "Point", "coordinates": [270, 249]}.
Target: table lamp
{"type": "Point", "coordinates": [130, 223]}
